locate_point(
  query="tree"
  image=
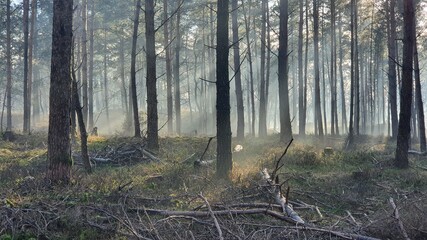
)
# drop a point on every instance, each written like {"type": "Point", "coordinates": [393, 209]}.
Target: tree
{"type": "Point", "coordinates": [223, 128]}
{"type": "Point", "coordinates": [238, 77]}
{"type": "Point", "coordinates": [8, 69]}
{"type": "Point", "coordinates": [391, 43]}
{"type": "Point", "coordinates": [419, 100]}
{"type": "Point", "coordinates": [85, 102]}
{"type": "Point", "coordinates": [177, 73]}
{"type": "Point", "coordinates": [285, 119]}
{"type": "Point", "coordinates": [404, 130]}
{"type": "Point", "coordinates": [168, 67]}
{"type": "Point", "coordinates": [301, 96]}
{"type": "Point", "coordinates": [318, 111]}
{"type": "Point", "coordinates": [136, 123]}
{"type": "Point", "coordinates": [59, 147]}
{"type": "Point", "coordinates": [152, 117]}
{"type": "Point", "coordinates": [262, 131]}
{"type": "Point", "coordinates": [26, 6]}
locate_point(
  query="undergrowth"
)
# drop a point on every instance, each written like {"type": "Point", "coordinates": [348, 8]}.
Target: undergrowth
{"type": "Point", "coordinates": [351, 189]}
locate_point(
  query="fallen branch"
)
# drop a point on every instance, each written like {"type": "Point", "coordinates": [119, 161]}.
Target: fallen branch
{"type": "Point", "coordinates": [216, 213]}
{"type": "Point", "coordinates": [417, 153]}
{"type": "Point", "coordinates": [274, 189]}
{"type": "Point", "coordinates": [150, 155]}
{"type": "Point", "coordinates": [399, 221]}
{"type": "Point", "coordinates": [213, 217]}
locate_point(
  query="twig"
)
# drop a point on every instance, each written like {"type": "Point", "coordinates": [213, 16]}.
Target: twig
{"type": "Point", "coordinates": [206, 149]}
{"type": "Point", "coordinates": [399, 222]}
{"type": "Point", "coordinates": [213, 217]}
{"type": "Point", "coordinates": [276, 169]}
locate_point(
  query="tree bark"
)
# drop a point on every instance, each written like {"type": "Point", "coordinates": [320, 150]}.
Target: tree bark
{"type": "Point", "coordinates": [26, 6]}
{"type": "Point", "coordinates": [301, 95]}
{"type": "Point", "coordinates": [90, 72]}
{"type": "Point", "coordinates": [224, 158]}
{"type": "Point", "coordinates": [59, 147]}
{"type": "Point", "coordinates": [285, 119]}
{"type": "Point", "coordinates": [152, 117]}
{"type": "Point", "coordinates": [251, 72]}
{"type": "Point", "coordinates": [238, 77]}
{"type": "Point", "coordinates": [318, 109]}
{"type": "Point", "coordinates": [392, 89]}
{"type": "Point", "coordinates": [419, 100]}
{"type": "Point", "coordinates": [404, 130]}
{"type": "Point", "coordinates": [262, 130]}
{"type": "Point", "coordinates": [177, 89]}
{"type": "Point", "coordinates": [84, 62]}
{"type": "Point", "coordinates": [136, 123]}
{"type": "Point", "coordinates": [8, 68]}
{"type": "Point", "coordinates": [168, 67]}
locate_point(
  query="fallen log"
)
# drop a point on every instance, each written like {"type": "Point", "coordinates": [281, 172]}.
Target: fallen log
{"type": "Point", "coordinates": [415, 152]}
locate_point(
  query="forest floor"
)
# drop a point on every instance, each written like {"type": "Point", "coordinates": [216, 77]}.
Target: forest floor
{"type": "Point", "coordinates": [340, 195]}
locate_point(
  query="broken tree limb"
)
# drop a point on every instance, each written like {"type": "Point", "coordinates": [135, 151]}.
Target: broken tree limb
{"type": "Point", "coordinates": [274, 189]}
{"type": "Point", "coordinates": [399, 221]}
{"type": "Point", "coordinates": [150, 155]}
{"type": "Point", "coordinates": [213, 216]}
{"type": "Point", "coordinates": [216, 213]}
{"type": "Point", "coordinates": [414, 152]}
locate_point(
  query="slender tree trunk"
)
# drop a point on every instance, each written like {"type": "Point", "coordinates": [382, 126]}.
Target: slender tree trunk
{"type": "Point", "coordinates": [404, 130]}
{"type": "Point", "coordinates": [262, 130]}
{"type": "Point", "coordinates": [168, 68]}
{"type": "Point", "coordinates": [238, 78]}
{"type": "Point", "coordinates": [392, 89]}
{"type": "Point", "coordinates": [268, 63]}
{"type": "Point", "coordinates": [83, 133]}
{"type": "Point", "coordinates": [301, 95]}
{"type": "Point", "coordinates": [177, 87]}
{"type": "Point", "coordinates": [356, 71]}
{"type": "Point", "coordinates": [333, 71]}
{"type": "Point", "coordinates": [251, 72]}
{"type": "Point", "coordinates": [419, 100]}
{"type": "Point", "coordinates": [84, 62]}
{"type": "Point", "coordinates": [26, 6]}
{"type": "Point", "coordinates": [59, 147]}
{"type": "Point", "coordinates": [349, 141]}
{"type": "Point", "coordinates": [106, 97]}
{"type": "Point", "coordinates": [8, 68]}
{"type": "Point", "coordinates": [318, 110]}
{"type": "Point", "coordinates": [33, 69]}
{"type": "Point", "coordinates": [152, 116]}
{"type": "Point", "coordinates": [224, 157]}
{"type": "Point", "coordinates": [136, 123]}
{"type": "Point", "coordinates": [90, 73]}
{"type": "Point", "coordinates": [122, 77]}
{"type": "Point", "coordinates": [304, 116]}
{"type": "Point", "coordinates": [285, 119]}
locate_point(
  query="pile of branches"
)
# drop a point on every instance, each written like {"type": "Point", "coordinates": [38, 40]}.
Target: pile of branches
{"type": "Point", "coordinates": [123, 154]}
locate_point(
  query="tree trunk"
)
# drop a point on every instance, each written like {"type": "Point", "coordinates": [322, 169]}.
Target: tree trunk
{"type": "Point", "coordinates": [168, 68]}
{"type": "Point", "coordinates": [404, 130]}
{"type": "Point", "coordinates": [177, 73]}
{"type": "Point", "coordinates": [33, 69]}
{"type": "Point", "coordinates": [125, 104]}
{"type": "Point", "coordinates": [419, 100]}
{"type": "Point", "coordinates": [26, 6]}
{"type": "Point", "coordinates": [106, 98]}
{"type": "Point", "coordinates": [90, 73]}
{"type": "Point", "coordinates": [224, 158]}
{"type": "Point", "coordinates": [238, 77]}
{"type": "Point", "coordinates": [285, 119]}
{"type": "Point", "coordinates": [84, 62]}
{"type": "Point", "coordinates": [392, 89]}
{"type": "Point", "coordinates": [301, 95]}
{"type": "Point", "coordinates": [262, 130]}
{"type": "Point", "coordinates": [83, 133]}
{"type": "Point", "coordinates": [251, 72]}
{"type": "Point", "coordinates": [136, 123]}
{"type": "Point", "coordinates": [318, 110]}
{"type": "Point", "coordinates": [8, 68]}
{"type": "Point", "coordinates": [59, 147]}
{"type": "Point", "coordinates": [152, 117]}
{"type": "Point", "coordinates": [343, 103]}
{"type": "Point", "coordinates": [356, 71]}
